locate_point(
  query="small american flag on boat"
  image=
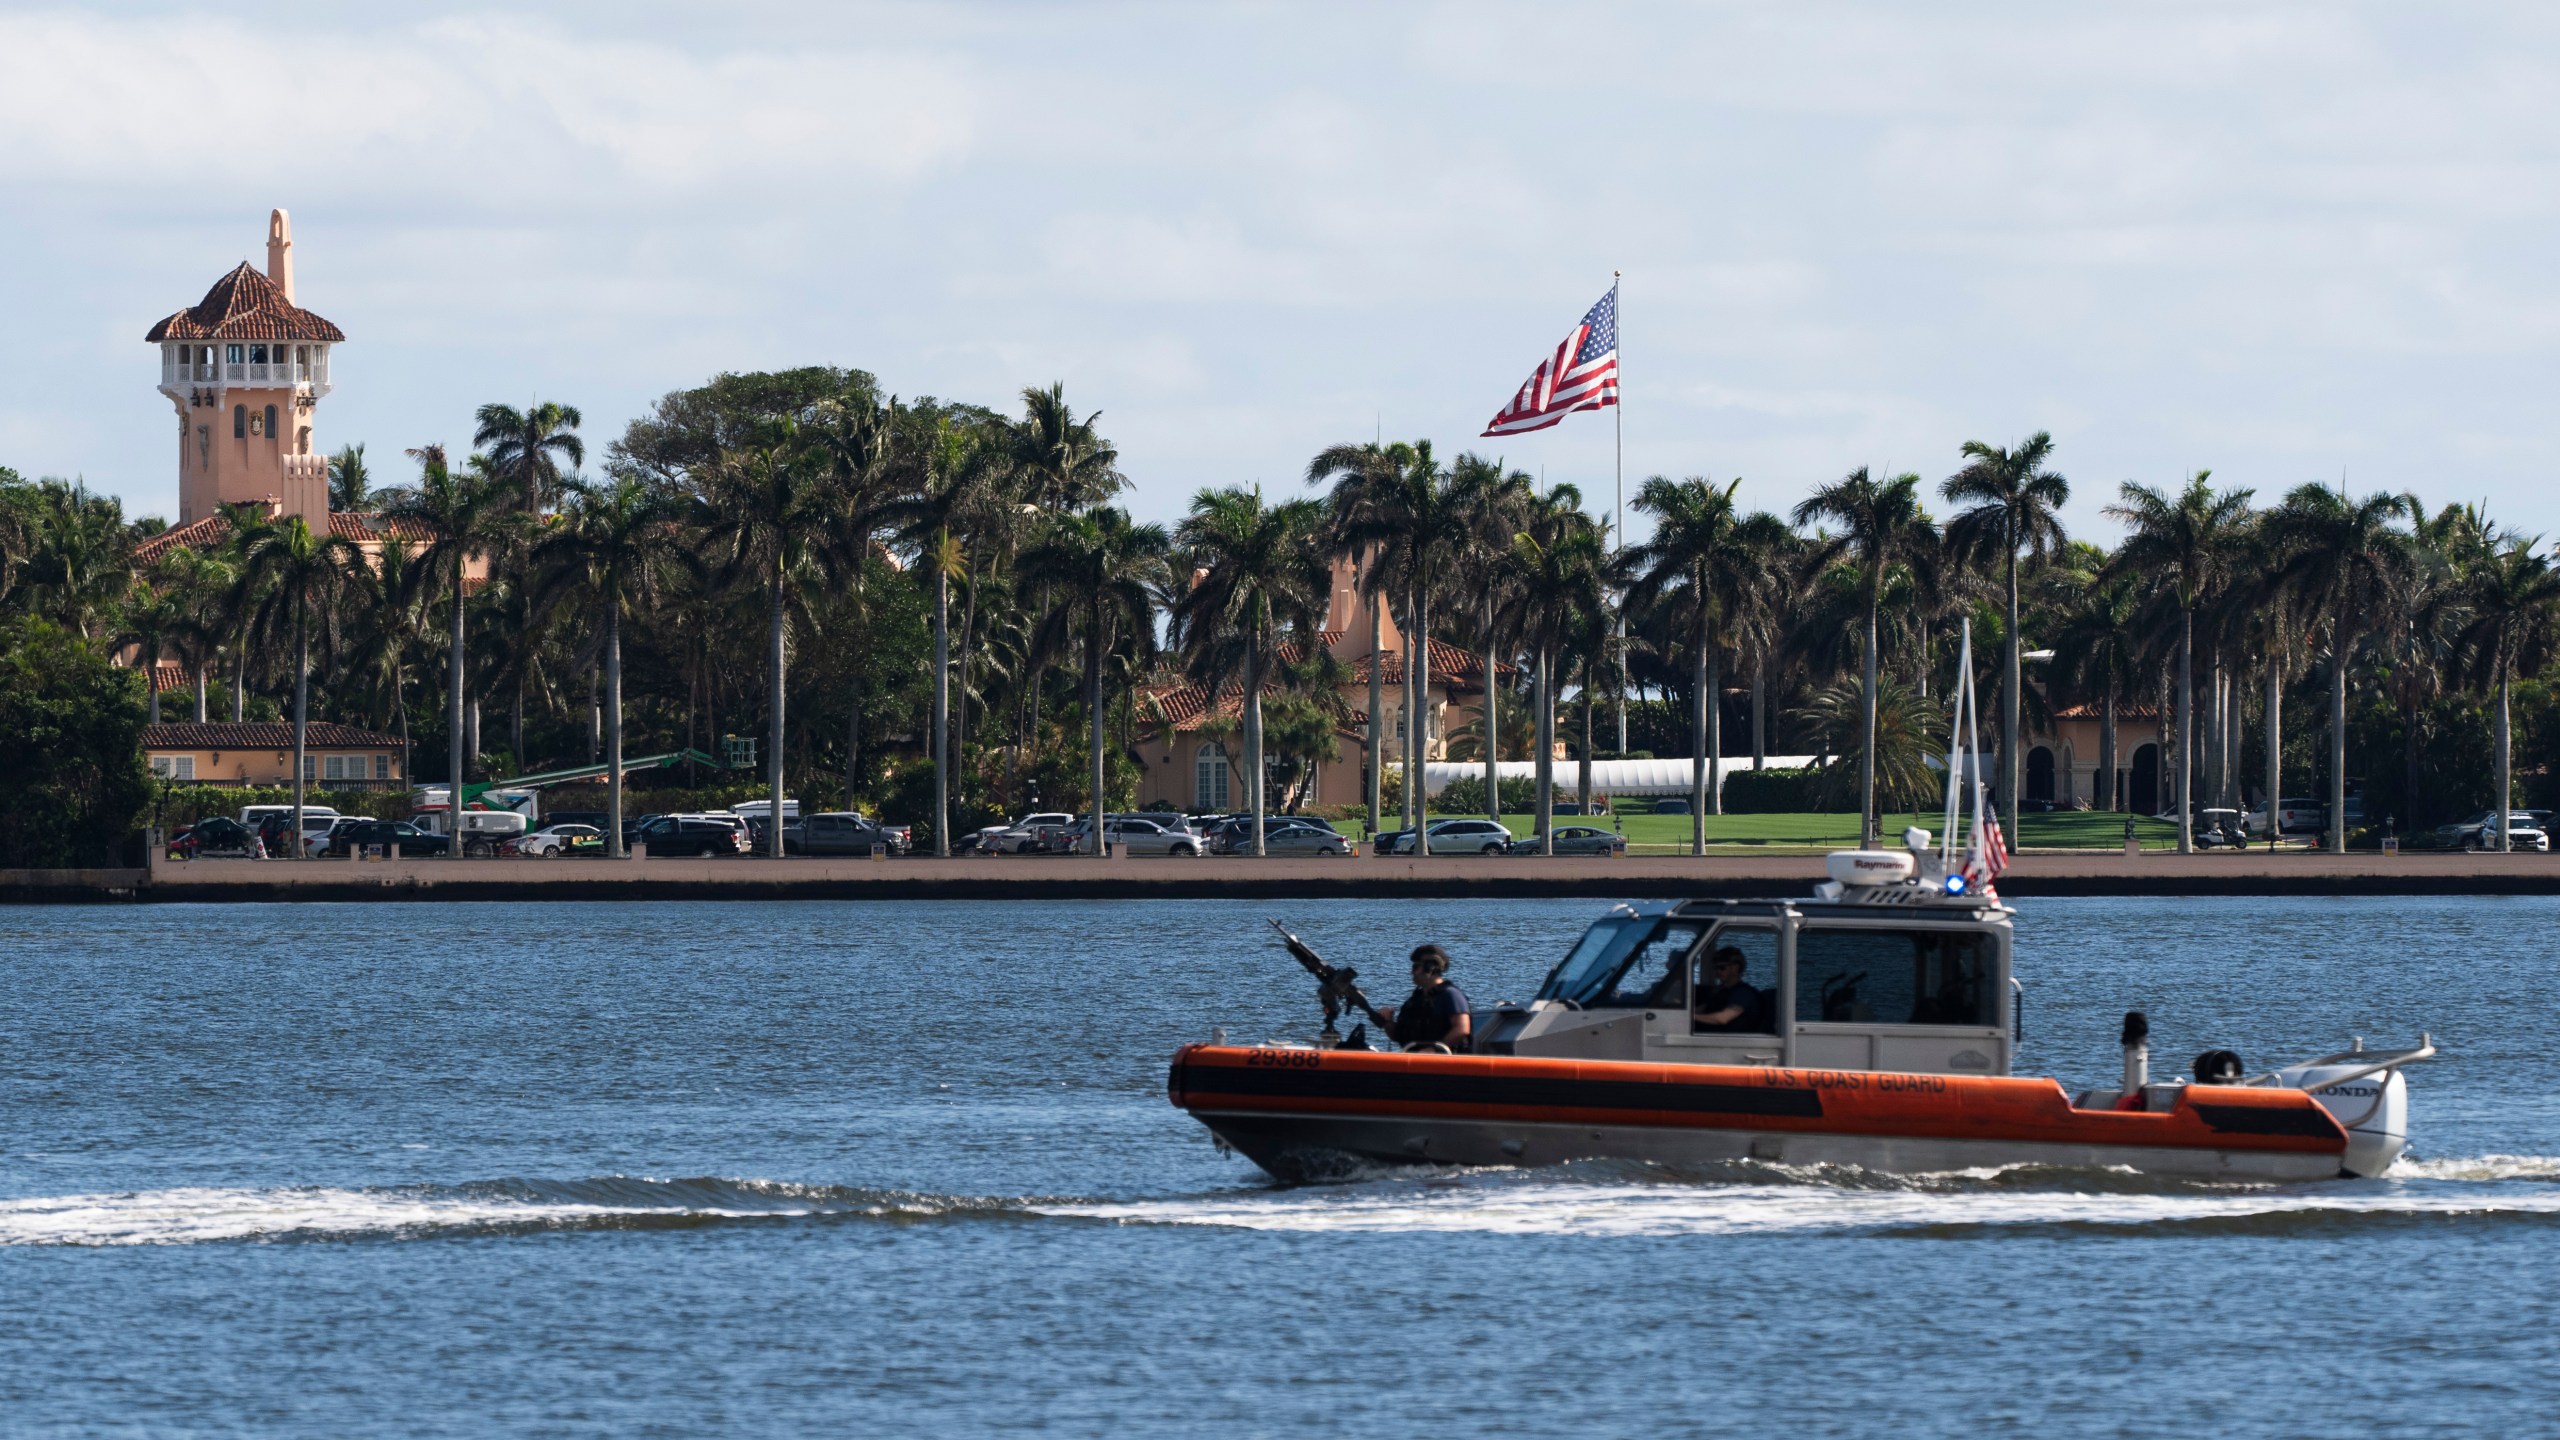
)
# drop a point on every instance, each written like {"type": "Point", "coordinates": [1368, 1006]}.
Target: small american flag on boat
{"type": "Point", "coordinates": [1581, 375]}
{"type": "Point", "coordinates": [1990, 856]}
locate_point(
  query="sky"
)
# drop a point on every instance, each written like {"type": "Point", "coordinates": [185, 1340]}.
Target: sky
{"type": "Point", "coordinates": [2289, 243]}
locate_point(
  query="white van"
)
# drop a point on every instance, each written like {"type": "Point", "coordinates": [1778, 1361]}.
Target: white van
{"type": "Point", "coordinates": [758, 809]}
{"type": "Point", "coordinates": [483, 831]}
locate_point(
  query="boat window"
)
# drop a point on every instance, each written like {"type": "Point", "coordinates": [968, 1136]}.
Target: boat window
{"type": "Point", "coordinates": [1585, 970]}
{"type": "Point", "coordinates": [1711, 1008]}
{"type": "Point", "coordinates": [1897, 977]}
{"type": "Point", "coordinates": [1653, 970]}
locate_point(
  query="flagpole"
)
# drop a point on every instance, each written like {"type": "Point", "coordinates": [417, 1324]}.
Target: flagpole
{"type": "Point", "coordinates": [1618, 418]}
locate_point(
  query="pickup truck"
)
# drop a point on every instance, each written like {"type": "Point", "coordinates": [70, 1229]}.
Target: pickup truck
{"type": "Point", "coordinates": [843, 832]}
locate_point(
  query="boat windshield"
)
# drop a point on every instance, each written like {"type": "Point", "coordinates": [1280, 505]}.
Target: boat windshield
{"type": "Point", "coordinates": [1584, 974]}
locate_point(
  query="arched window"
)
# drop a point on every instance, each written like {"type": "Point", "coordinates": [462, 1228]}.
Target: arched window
{"type": "Point", "coordinates": [2039, 784]}
{"type": "Point", "coordinates": [272, 432]}
{"type": "Point", "coordinates": [1209, 778]}
{"type": "Point", "coordinates": [239, 422]}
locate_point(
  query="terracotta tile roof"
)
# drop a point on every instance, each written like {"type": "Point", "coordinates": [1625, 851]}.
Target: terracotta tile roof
{"type": "Point", "coordinates": [168, 675]}
{"type": "Point", "coordinates": [1449, 665]}
{"type": "Point", "coordinates": [245, 305]}
{"type": "Point", "coordinates": [195, 533]}
{"type": "Point", "coordinates": [373, 525]}
{"type": "Point", "coordinates": [261, 735]}
{"type": "Point", "coordinates": [2125, 710]}
{"type": "Point", "coordinates": [364, 527]}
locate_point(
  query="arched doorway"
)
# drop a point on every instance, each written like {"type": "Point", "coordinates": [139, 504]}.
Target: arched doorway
{"type": "Point", "coordinates": [2142, 787]}
{"type": "Point", "coordinates": [2040, 774]}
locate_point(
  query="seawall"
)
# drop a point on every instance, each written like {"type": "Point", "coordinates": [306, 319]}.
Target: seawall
{"type": "Point", "coordinates": [1293, 877]}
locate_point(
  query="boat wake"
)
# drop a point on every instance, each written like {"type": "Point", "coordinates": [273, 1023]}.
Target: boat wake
{"type": "Point", "coordinates": [1630, 1200]}
{"type": "Point", "coordinates": [500, 1207]}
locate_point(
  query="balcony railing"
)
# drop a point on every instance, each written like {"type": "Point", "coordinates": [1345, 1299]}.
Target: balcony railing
{"type": "Point", "coordinates": [283, 372]}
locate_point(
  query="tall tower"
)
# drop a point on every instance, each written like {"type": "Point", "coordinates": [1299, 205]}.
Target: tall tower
{"type": "Point", "coordinates": [246, 368]}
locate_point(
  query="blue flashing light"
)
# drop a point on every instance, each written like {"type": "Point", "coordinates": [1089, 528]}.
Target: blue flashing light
{"type": "Point", "coordinates": [1955, 884]}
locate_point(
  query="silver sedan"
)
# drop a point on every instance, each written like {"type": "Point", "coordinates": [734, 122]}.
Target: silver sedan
{"type": "Point", "coordinates": [1577, 840]}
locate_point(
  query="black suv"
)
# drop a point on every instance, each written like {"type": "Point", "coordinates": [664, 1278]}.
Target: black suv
{"type": "Point", "coordinates": [351, 839]}
{"type": "Point", "coordinates": [693, 835]}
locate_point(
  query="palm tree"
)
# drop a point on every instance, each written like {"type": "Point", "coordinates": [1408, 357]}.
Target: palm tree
{"type": "Point", "coordinates": [350, 483]}
{"type": "Point", "coordinates": [292, 572]}
{"type": "Point", "coordinates": [1105, 571]}
{"type": "Point", "coordinates": [617, 542]}
{"type": "Point", "coordinates": [1064, 461]}
{"type": "Point", "coordinates": [2185, 543]}
{"type": "Point", "coordinates": [1261, 575]}
{"type": "Point", "coordinates": [1410, 521]}
{"type": "Point", "coordinates": [1564, 570]}
{"type": "Point", "coordinates": [2014, 502]}
{"type": "Point", "coordinates": [2346, 559]}
{"type": "Point", "coordinates": [1698, 553]}
{"type": "Point", "coordinates": [396, 593]}
{"type": "Point", "coordinates": [956, 491]}
{"type": "Point", "coordinates": [464, 516]}
{"type": "Point", "coordinates": [1882, 526]}
{"type": "Point", "coordinates": [2097, 652]}
{"type": "Point", "coordinates": [1363, 477]}
{"type": "Point", "coordinates": [773, 514]}
{"type": "Point", "coordinates": [1496, 505]}
{"type": "Point", "coordinates": [525, 447]}
{"type": "Point", "coordinates": [2514, 600]}
{"type": "Point", "coordinates": [153, 614]}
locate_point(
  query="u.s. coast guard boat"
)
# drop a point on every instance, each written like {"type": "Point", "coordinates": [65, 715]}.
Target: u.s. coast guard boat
{"type": "Point", "coordinates": [1883, 1019]}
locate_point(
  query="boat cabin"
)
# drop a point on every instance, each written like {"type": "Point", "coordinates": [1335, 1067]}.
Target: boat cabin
{"type": "Point", "coordinates": [1869, 980]}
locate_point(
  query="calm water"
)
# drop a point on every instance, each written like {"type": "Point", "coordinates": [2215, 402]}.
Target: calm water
{"type": "Point", "coordinates": [872, 1169]}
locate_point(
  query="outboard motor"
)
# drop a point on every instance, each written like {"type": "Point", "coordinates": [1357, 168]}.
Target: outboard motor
{"type": "Point", "coordinates": [2373, 1107]}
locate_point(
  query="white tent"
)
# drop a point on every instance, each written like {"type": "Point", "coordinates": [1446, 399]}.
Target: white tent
{"type": "Point", "coordinates": [1608, 777]}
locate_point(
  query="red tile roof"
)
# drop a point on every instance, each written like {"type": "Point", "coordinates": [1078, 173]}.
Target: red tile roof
{"type": "Point", "coordinates": [245, 305]}
{"type": "Point", "coordinates": [195, 533]}
{"type": "Point", "coordinates": [168, 675]}
{"type": "Point", "coordinates": [261, 735]}
{"type": "Point", "coordinates": [363, 527]}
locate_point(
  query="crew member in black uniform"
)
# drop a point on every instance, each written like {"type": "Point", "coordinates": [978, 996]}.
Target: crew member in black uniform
{"type": "Point", "coordinates": [1436, 1012]}
{"type": "Point", "coordinates": [1728, 1002]}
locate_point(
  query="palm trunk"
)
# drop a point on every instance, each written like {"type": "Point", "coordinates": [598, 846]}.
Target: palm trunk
{"type": "Point", "coordinates": [2106, 799]}
{"type": "Point", "coordinates": [613, 726]}
{"type": "Point", "coordinates": [1377, 700]}
{"type": "Point", "coordinates": [1698, 761]}
{"type": "Point", "coordinates": [1867, 754]}
{"type": "Point", "coordinates": [200, 694]}
{"type": "Point", "coordinates": [941, 713]}
{"type": "Point", "coordinates": [1253, 737]}
{"type": "Point", "coordinates": [151, 681]}
{"type": "Point", "coordinates": [773, 760]}
{"type": "Point", "coordinates": [2008, 709]}
{"type": "Point", "coordinates": [515, 717]}
{"type": "Point", "coordinates": [1759, 710]}
{"type": "Point", "coordinates": [960, 698]}
{"type": "Point", "coordinates": [1492, 722]}
{"type": "Point", "coordinates": [301, 716]}
{"type": "Point", "coordinates": [1546, 734]}
{"type": "Point", "coordinates": [2338, 648]}
{"type": "Point", "coordinates": [2506, 774]}
{"type": "Point", "coordinates": [456, 759]}
{"type": "Point", "coordinates": [2186, 728]}
{"type": "Point", "coordinates": [1418, 667]}
{"type": "Point", "coordinates": [1715, 731]}
{"type": "Point", "coordinates": [1093, 707]}
{"type": "Point", "coordinates": [2275, 743]}
{"type": "Point", "coordinates": [240, 686]}
{"type": "Point", "coordinates": [1583, 797]}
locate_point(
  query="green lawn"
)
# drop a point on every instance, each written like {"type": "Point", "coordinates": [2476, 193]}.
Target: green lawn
{"type": "Point", "coordinates": [1669, 834]}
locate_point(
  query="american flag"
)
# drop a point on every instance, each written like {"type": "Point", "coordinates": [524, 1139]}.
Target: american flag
{"type": "Point", "coordinates": [1581, 375]}
{"type": "Point", "coordinates": [1990, 856]}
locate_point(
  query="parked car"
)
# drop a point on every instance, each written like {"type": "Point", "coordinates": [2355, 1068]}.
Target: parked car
{"type": "Point", "coordinates": [597, 818]}
{"type": "Point", "coordinates": [329, 844]}
{"type": "Point", "coordinates": [694, 835]}
{"type": "Point", "coordinates": [1670, 807]}
{"type": "Point", "coordinates": [1300, 838]}
{"type": "Point", "coordinates": [843, 832]}
{"type": "Point", "coordinates": [2480, 832]}
{"type": "Point", "coordinates": [216, 837]}
{"type": "Point", "coordinates": [1450, 837]}
{"type": "Point", "coordinates": [555, 840]}
{"type": "Point", "coordinates": [1029, 835]}
{"type": "Point", "coordinates": [1234, 835]}
{"type": "Point", "coordinates": [410, 839]}
{"type": "Point", "coordinates": [1140, 834]}
{"type": "Point", "coordinates": [1575, 840]}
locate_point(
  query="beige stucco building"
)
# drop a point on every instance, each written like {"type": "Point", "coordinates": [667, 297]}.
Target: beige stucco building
{"type": "Point", "coordinates": [256, 752]}
{"type": "Point", "coordinates": [247, 368]}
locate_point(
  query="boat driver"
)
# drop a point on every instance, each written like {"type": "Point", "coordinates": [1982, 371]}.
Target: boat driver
{"type": "Point", "coordinates": [1436, 1012]}
{"type": "Point", "coordinates": [1727, 1003]}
